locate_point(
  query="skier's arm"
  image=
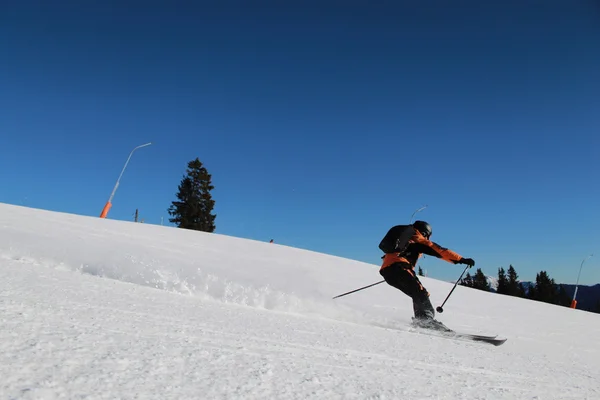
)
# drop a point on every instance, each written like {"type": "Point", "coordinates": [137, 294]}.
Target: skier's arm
{"type": "Point", "coordinates": [433, 249]}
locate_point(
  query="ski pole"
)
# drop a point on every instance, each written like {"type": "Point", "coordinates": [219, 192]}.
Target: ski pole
{"type": "Point", "coordinates": [356, 290]}
{"type": "Point", "coordinates": [440, 309]}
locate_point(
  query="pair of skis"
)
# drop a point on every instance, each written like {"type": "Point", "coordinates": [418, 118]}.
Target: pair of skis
{"type": "Point", "coordinates": [477, 338]}
{"type": "Point", "coordinates": [494, 340]}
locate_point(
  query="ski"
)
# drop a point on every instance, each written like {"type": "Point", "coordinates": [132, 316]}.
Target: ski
{"type": "Point", "coordinates": [480, 338]}
{"type": "Point", "coordinates": [441, 330]}
{"type": "Point", "coordinates": [494, 340]}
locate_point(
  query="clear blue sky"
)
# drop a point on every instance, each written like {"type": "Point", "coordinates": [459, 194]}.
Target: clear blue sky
{"type": "Point", "coordinates": [322, 123]}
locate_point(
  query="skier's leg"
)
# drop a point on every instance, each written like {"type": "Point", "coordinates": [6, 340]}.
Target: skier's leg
{"type": "Point", "coordinates": [421, 304]}
{"type": "Point", "coordinates": [403, 278]}
{"type": "Point", "coordinates": [423, 308]}
{"type": "Point", "coordinates": [424, 311]}
{"type": "Point", "coordinates": [395, 277]}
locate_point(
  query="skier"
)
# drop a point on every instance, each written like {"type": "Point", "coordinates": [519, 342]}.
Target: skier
{"type": "Point", "coordinates": [398, 270]}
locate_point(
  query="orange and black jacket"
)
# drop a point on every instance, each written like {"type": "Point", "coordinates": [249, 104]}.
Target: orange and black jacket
{"type": "Point", "coordinates": [417, 246]}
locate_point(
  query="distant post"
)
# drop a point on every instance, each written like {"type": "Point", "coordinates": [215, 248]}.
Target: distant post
{"type": "Point", "coordinates": [574, 302]}
{"type": "Point", "coordinates": [108, 204]}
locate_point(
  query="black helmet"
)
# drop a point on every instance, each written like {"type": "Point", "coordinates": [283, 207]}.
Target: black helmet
{"type": "Point", "coordinates": [423, 227]}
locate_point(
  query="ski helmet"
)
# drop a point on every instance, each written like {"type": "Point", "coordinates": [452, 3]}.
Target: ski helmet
{"type": "Point", "coordinates": [423, 227]}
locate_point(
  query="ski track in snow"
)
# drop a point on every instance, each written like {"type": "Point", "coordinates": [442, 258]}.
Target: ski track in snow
{"type": "Point", "coordinates": [92, 338]}
{"type": "Point", "coordinates": [68, 332]}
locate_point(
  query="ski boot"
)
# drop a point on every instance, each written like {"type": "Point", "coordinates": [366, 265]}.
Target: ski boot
{"type": "Point", "coordinates": [430, 323]}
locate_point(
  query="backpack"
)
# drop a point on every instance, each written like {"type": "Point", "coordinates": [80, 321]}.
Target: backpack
{"type": "Point", "coordinates": [396, 240]}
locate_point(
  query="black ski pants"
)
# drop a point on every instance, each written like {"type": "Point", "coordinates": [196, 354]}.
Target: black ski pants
{"type": "Point", "coordinates": [403, 277]}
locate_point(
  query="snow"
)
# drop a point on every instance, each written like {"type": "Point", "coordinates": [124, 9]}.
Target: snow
{"type": "Point", "coordinates": [102, 309]}
{"type": "Point", "coordinates": [493, 282]}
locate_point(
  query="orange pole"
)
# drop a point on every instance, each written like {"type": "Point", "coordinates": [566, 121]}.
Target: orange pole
{"type": "Point", "coordinates": [107, 207]}
{"type": "Point", "coordinates": [574, 304]}
{"type": "Point", "coordinates": [108, 204]}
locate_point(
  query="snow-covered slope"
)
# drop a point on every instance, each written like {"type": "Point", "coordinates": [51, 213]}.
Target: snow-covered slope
{"type": "Point", "coordinates": [107, 309]}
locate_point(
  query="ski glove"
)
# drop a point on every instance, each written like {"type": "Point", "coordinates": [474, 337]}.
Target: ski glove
{"type": "Point", "coordinates": [468, 261]}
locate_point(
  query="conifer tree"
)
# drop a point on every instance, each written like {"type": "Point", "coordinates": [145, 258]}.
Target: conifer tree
{"type": "Point", "coordinates": [480, 281]}
{"type": "Point", "coordinates": [513, 287]}
{"type": "Point", "coordinates": [467, 281]}
{"type": "Point", "coordinates": [193, 209]}
{"type": "Point", "coordinates": [545, 289]}
{"type": "Point", "coordinates": [502, 282]}
{"type": "Point", "coordinates": [420, 271]}
{"type": "Point", "coordinates": [521, 291]}
{"type": "Point", "coordinates": [532, 293]}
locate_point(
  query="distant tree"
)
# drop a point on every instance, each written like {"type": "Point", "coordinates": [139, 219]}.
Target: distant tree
{"type": "Point", "coordinates": [502, 282]}
{"type": "Point", "coordinates": [420, 271]}
{"type": "Point", "coordinates": [522, 292]}
{"type": "Point", "coordinates": [467, 281]}
{"type": "Point", "coordinates": [513, 287]}
{"type": "Point", "coordinates": [532, 293]}
{"type": "Point", "coordinates": [545, 288]}
{"type": "Point", "coordinates": [193, 209]}
{"type": "Point", "coordinates": [480, 281]}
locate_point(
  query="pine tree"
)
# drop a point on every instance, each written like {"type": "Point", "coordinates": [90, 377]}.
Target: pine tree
{"type": "Point", "coordinates": [522, 292]}
{"type": "Point", "coordinates": [195, 204]}
{"type": "Point", "coordinates": [467, 281]}
{"type": "Point", "coordinates": [545, 288]}
{"type": "Point", "coordinates": [480, 281]}
{"type": "Point", "coordinates": [532, 293]}
{"type": "Point", "coordinates": [502, 282]}
{"type": "Point", "coordinates": [420, 271]}
{"type": "Point", "coordinates": [513, 287]}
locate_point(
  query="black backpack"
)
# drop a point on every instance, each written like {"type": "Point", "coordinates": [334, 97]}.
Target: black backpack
{"type": "Point", "coordinates": [396, 240]}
